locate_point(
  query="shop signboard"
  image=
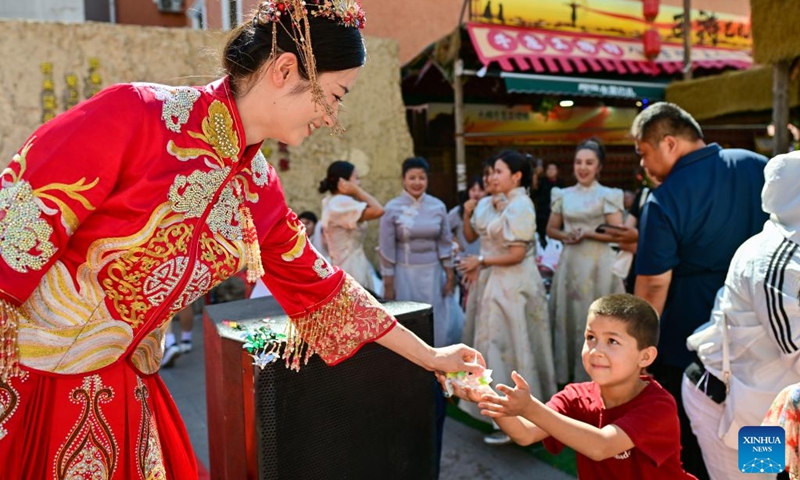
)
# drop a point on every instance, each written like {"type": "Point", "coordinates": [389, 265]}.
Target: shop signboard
{"type": "Point", "coordinates": [490, 124]}
{"type": "Point", "coordinates": [617, 18]}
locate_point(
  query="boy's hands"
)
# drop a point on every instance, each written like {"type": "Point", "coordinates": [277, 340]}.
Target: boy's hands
{"type": "Point", "coordinates": [516, 402]}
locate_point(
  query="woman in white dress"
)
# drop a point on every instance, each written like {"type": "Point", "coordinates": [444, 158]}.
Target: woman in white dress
{"type": "Point", "coordinates": [345, 211]}
{"type": "Point", "coordinates": [584, 268]}
{"type": "Point", "coordinates": [513, 329]}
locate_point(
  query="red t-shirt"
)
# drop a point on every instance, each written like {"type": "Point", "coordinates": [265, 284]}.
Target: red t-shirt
{"type": "Point", "coordinates": [650, 420]}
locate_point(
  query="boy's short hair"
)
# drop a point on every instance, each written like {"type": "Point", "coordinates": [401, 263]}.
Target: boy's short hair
{"type": "Point", "coordinates": [640, 318]}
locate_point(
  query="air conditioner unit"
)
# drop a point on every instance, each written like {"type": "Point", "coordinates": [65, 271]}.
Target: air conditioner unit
{"type": "Point", "coordinates": [170, 6]}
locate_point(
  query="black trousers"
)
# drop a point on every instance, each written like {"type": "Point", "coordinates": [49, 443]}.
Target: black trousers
{"type": "Point", "coordinates": [671, 378]}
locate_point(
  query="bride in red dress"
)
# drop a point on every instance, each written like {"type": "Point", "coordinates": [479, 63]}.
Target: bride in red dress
{"type": "Point", "coordinates": [123, 210]}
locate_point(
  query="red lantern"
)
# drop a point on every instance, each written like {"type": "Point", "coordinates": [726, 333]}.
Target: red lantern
{"type": "Point", "coordinates": [650, 9]}
{"type": "Point", "coordinates": [652, 43]}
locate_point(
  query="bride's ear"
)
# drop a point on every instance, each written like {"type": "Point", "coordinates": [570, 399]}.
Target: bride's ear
{"type": "Point", "coordinates": [283, 70]}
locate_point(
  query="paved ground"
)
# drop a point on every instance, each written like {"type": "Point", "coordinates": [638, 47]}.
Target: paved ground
{"type": "Point", "coordinates": [464, 455]}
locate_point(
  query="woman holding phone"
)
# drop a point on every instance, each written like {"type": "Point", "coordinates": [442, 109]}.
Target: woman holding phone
{"type": "Point", "coordinates": [584, 268]}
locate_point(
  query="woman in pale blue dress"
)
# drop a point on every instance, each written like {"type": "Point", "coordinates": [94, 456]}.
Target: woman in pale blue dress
{"type": "Point", "coordinates": [345, 211]}
{"type": "Point", "coordinates": [416, 249]}
{"type": "Point", "coordinates": [584, 271]}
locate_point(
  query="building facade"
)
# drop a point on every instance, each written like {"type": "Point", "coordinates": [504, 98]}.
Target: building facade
{"type": "Point", "coordinates": [161, 13]}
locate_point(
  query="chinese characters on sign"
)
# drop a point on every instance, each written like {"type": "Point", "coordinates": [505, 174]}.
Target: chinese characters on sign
{"type": "Point", "coordinates": [92, 84]}
{"type": "Point", "coordinates": [725, 27]}
{"type": "Point", "coordinates": [49, 107]}
{"type": "Point", "coordinates": [497, 43]}
{"type": "Point", "coordinates": [503, 115]}
{"type": "Point", "coordinates": [505, 41]}
{"type": "Point", "coordinates": [606, 90]}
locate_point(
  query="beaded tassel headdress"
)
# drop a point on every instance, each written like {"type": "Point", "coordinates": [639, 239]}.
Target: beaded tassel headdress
{"type": "Point", "coordinates": [347, 13]}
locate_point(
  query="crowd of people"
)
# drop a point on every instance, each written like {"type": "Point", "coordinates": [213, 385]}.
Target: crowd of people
{"type": "Point", "coordinates": [97, 254]}
{"type": "Point", "coordinates": [702, 203]}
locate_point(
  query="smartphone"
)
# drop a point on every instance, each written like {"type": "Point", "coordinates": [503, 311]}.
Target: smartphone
{"type": "Point", "coordinates": [603, 227]}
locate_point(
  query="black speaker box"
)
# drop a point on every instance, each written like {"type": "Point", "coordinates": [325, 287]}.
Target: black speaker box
{"type": "Point", "coordinates": [371, 416]}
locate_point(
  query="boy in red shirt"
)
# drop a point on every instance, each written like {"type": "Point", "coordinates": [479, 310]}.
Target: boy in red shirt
{"type": "Point", "coordinates": [621, 424]}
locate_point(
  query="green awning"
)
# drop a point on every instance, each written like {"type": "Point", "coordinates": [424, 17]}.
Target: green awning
{"type": "Point", "coordinates": [591, 87]}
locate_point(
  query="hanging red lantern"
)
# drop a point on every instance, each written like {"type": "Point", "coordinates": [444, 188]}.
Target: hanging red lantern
{"type": "Point", "coordinates": [652, 43]}
{"type": "Point", "coordinates": [650, 9]}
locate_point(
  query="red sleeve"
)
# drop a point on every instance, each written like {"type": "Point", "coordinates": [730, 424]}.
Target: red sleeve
{"type": "Point", "coordinates": [62, 173]}
{"type": "Point", "coordinates": [652, 424]}
{"type": "Point", "coordinates": [54, 182]}
{"type": "Point", "coordinates": [331, 314]}
{"type": "Point", "coordinates": [564, 403]}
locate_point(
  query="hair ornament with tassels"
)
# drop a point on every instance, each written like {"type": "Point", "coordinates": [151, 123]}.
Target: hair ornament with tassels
{"type": "Point", "coordinates": [347, 13]}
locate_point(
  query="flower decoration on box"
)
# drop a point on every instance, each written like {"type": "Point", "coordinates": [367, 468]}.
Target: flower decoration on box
{"type": "Point", "coordinates": [263, 344]}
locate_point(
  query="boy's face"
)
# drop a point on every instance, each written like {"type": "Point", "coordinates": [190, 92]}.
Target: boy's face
{"type": "Point", "coordinates": [610, 354]}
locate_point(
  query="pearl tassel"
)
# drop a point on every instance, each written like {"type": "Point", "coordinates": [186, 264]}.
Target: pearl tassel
{"type": "Point", "coordinates": [255, 269]}
{"type": "Point", "coordinates": [9, 349]}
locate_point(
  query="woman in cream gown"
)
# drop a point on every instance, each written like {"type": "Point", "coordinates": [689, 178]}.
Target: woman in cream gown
{"type": "Point", "coordinates": [584, 268]}
{"type": "Point", "coordinates": [513, 326]}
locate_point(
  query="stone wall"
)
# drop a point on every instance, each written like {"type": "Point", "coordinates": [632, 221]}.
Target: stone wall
{"type": "Point", "coordinates": [49, 66]}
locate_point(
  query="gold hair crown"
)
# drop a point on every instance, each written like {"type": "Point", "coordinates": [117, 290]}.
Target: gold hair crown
{"type": "Point", "coordinates": [347, 13]}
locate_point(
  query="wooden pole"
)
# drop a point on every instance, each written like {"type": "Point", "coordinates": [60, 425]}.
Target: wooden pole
{"type": "Point", "coordinates": [687, 39]}
{"type": "Point", "coordinates": [463, 11]}
{"type": "Point", "coordinates": [458, 94]}
{"type": "Point", "coordinates": [458, 102]}
{"type": "Point", "coordinates": [780, 107]}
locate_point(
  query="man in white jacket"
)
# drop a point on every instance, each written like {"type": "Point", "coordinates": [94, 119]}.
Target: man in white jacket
{"type": "Point", "coordinates": [741, 369]}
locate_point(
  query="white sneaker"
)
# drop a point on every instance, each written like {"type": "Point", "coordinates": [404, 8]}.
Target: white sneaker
{"type": "Point", "coordinates": [186, 346]}
{"type": "Point", "coordinates": [497, 438]}
{"type": "Point", "coordinates": [170, 354]}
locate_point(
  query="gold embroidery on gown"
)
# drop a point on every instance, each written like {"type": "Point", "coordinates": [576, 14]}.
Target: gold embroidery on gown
{"type": "Point", "coordinates": [9, 399]}
{"type": "Point", "coordinates": [90, 450]}
{"type": "Point", "coordinates": [149, 456]}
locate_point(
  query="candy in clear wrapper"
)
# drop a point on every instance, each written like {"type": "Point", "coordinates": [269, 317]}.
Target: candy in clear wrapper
{"type": "Point", "coordinates": [464, 379]}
